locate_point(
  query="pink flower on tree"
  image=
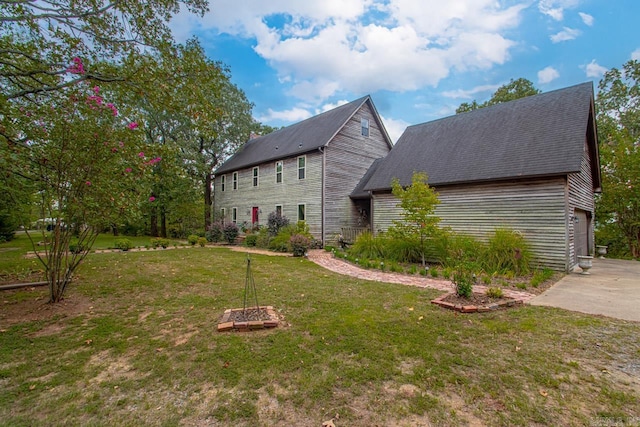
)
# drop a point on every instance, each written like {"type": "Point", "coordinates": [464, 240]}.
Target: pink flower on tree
{"type": "Point", "coordinates": [132, 125]}
{"type": "Point", "coordinates": [141, 154]}
{"type": "Point", "coordinates": [113, 108]}
{"type": "Point", "coordinates": [88, 183]}
{"type": "Point", "coordinates": [151, 199]}
{"type": "Point", "coordinates": [77, 67]}
{"type": "Point", "coordinates": [128, 170]}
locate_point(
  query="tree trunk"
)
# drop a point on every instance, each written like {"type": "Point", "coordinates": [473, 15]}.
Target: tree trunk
{"type": "Point", "coordinates": [154, 222]}
{"type": "Point", "coordinates": [163, 223]}
{"type": "Point", "coordinates": [207, 201]}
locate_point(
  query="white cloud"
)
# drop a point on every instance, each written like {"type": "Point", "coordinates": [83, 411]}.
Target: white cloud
{"type": "Point", "coordinates": [586, 18]}
{"type": "Point", "coordinates": [394, 127]}
{"type": "Point", "coordinates": [547, 75]}
{"type": "Point", "coordinates": [469, 94]}
{"type": "Point", "coordinates": [361, 46]}
{"type": "Point", "coordinates": [593, 69]}
{"type": "Point", "coordinates": [635, 55]}
{"type": "Point", "coordinates": [566, 34]}
{"type": "Point", "coordinates": [555, 8]}
{"type": "Point", "coordinates": [293, 115]}
{"type": "Point", "coordinates": [331, 106]}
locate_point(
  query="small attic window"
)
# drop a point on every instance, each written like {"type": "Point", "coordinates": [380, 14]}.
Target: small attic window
{"type": "Point", "coordinates": [364, 126]}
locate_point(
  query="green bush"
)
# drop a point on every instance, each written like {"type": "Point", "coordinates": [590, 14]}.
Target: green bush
{"type": "Point", "coordinates": [434, 272]}
{"type": "Point", "coordinates": [494, 292]}
{"type": "Point", "coordinates": [202, 241]}
{"type": "Point", "coordinates": [299, 244]}
{"type": "Point", "coordinates": [464, 279]}
{"type": "Point", "coordinates": [540, 277]}
{"type": "Point", "coordinates": [402, 249]}
{"type": "Point", "coordinates": [507, 252]}
{"type": "Point", "coordinates": [264, 238]}
{"type": "Point", "coordinates": [160, 241]}
{"type": "Point", "coordinates": [251, 240]}
{"type": "Point", "coordinates": [460, 248]}
{"type": "Point", "coordinates": [123, 244]}
{"type": "Point", "coordinates": [76, 248]}
{"type": "Point", "coordinates": [367, 246]}
{"type": "Point", "coordinates": [192, 239]}
{"type": "Point", "coordinates": [282, 241]}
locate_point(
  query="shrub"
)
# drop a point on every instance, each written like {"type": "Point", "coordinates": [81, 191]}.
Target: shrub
{"type": "Point", "coordinates": [463, 279]}
{"type": "Point", "coordinates": [413, 269]}
{"type": "Point", "coordinates": [251, 240]}
{"type": "Point", "coordinates": [123, 244]}
{"type": "Point", "coordinates": [159, 241]}
{"type": "Point", "coordinates": [215, 232]}
{"type": "Point", "coordinates": [275, 222]}
{"type": "Point", "coordinates": [76, 248]}
{"type": "Point", "coordinates": [202, 242]}
{"type": "Point", "coordinates": [403, 249]}
{"type": "Point", "coordinates": [367, 246]}
{"type": "Point", "coordinates": [299, 244]}
{"type": "Point", "coordinates": [230, 232]}
{"type": "Point", "coordinates": [494, 292]}
{"type": "Point", "coordinates": [507, 251]}
{"type": "Point", "coordinates": [329, 248]}
{"type": "Point", "coordinates": [263, 239]}
{"type": "Point", "coordinates": [434, 272]}
{"type": "Point", "coordinates": [192, 239]}
{"type": "Point", "coordinates": [541, 277]}
{"type": "Point", "coordinates": [460, 248]}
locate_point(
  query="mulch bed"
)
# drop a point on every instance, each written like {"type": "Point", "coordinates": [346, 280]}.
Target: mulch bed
{"type": "Point", "coordinates": [477, 303]}
{"type": "Point", "coordinates": [242, 320]}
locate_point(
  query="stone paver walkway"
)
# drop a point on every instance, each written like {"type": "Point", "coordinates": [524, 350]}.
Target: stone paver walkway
{"type": "Point", "coordinates": [328, 261]}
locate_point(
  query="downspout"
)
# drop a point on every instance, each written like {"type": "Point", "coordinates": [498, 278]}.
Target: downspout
{"type": "Point", "coordinates": [324, 168]}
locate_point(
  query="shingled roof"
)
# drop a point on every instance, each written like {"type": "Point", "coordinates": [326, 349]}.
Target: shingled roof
{"type": "Point", "coordinates": [299, 138]}
{"type": "Point", "coordinates": [541, 135]}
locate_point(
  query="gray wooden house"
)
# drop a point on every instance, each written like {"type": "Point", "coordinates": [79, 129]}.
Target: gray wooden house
{"type": "Point", "coordinates": [305, 171]}
{"type": "Point", "coordinates": [530, 164]}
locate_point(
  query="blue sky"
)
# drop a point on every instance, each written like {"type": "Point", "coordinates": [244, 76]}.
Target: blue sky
{"type": "Point", "coordinates": [418, 59]}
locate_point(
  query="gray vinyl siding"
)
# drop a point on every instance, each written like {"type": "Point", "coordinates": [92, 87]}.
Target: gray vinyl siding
{"type": "Point", "coordinates": [580, 196]}
{"type": "Point", "coordinates": [290, 193]}
{"type": "Point", "coordinates": [536, 209]}
{"type": "Point", "coordinates": [348, 157]}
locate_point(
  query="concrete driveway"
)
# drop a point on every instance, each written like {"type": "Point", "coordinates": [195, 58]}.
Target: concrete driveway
{"type": "Point", "coordinates": [612, 289]}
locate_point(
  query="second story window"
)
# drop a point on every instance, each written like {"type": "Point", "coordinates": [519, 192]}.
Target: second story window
{"type": "Point", "coordinates": [364, 125]}
{"type": "Point", "coordinates": [279, 172]}
{"type": "Point", "coordinates": [256, 172]}
{"type": "Point", "coordinates": [235, 180]}
{"type": "Point", "coordinates": [302, 165]}
{"type": "Point", "coordinates": [222, 182]}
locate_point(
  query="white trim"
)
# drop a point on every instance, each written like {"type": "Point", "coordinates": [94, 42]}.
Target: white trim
{"type": "Point", "coordinates": [281, 171]}
{"type": "Point", "coordinates": [255, 176]}
{"type": "Point", "coordinates": [223, 182]}
{"type": "Point", "coordinates": [304, 205]}
{"type": "Point", "coordinates": [304, 168]}
{"type": "Point", "coordinates": [281, 209]}
{"type": "Point", "coordinates": [235, 179]}
{"type": "Point", "coordinates": [234, 215]}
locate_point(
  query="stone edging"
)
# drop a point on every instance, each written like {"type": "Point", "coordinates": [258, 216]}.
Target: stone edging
{"type": "Point", "coordinates": [510, 302]}
{"type": "Point", "coordinates": [225, 325]}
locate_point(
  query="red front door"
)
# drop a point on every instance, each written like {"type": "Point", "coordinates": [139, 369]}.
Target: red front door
{"type": "Point", "coordinates": [254, 215]}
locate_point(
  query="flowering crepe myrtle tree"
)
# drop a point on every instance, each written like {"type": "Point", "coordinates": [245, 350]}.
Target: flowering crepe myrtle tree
{"type": "Point", "coordinates": [85, 163]}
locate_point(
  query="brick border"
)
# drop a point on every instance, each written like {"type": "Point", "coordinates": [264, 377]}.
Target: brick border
{"type": "Point", "coordinates": [508, 302]}
{"type": "Point", "coordinates": [225, 325]}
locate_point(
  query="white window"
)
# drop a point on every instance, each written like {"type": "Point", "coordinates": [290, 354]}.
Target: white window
{"type": "Point", "coordinates": [364, 127]}
{"type": "Point", "coordinates": [301, 212]}
{"type": "Point", "coordinates": [279, 172]}
{"type": "Point", "coordinates": [235, 180]}
{"type": "Point", "coordinates": [302, 165]}
{"type": "Point", "coordinates": [223, 182]}
{"type": "Point", "coordinates": [223, 214]}
{"type": "Point", "coordinates": [256, 172]}
{"type": "Point", "coordinates": [279, 210]}
{"type": "Point", "coordinates": [234, 215]}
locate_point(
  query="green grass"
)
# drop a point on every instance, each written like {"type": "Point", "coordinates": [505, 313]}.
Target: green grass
{"type": "Point", "coordinates": [144, 350]}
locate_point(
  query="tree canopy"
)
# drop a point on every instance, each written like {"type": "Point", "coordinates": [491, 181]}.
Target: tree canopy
{"type": "Point", "coordinates": [618, 118]}
{"type": "Point", "coordinates": [513, 90]}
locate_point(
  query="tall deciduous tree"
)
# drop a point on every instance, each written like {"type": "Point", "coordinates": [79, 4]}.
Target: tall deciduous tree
{"type": "Point", "coordinates": [618, 102]}
{"type": "Point", "coordinates": [513, 90]}
{"type": "Point", "coordinates": [418, 202]}
{"type": "Point", "coordinates": [189, 103]}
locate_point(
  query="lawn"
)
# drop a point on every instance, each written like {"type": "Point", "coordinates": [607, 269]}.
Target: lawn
{"type": "Point", "coordinates": [135, 343]}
